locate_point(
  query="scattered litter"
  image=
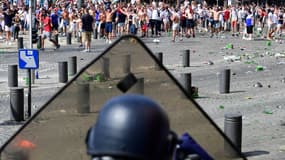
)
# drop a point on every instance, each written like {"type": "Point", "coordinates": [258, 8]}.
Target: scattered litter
{"type": "Point", "coordinates": [110, 87]}
{"type": "Point", "coordinates": [221, 107]}
{"type": "Point", "coordinates": [279, 107]}
{"type": "Point", "coordinates": [232, 58]}
{"type": "Point", "coordinates": [229, 46]}
{"type": "Point", "coordinates": [282, 148]}
{"type": "Point", "coordinates": [195, 92]}
{"type": "Point", "coordinates": [258, 85]}
{"type": "Point", "coordinates": [251, 62]}
{"type": "Point", "coordinates": [280, 55]}
{"type": "Point", "coordinates": [267, 111]}
{"type": "Point", "coordinates": [268, 43]}
{"type": "Point", "coordinates": [280, 63]}
{"type": "Point", "coordinates": [259, 68]}
{"type": "Point", "coordinates": [210, 63]}
{"type": "Point", "coordinates": [156, 40]}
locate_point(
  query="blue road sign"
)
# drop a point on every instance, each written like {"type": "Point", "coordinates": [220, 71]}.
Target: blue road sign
{"type": "Point", "coordinates": [28, 58]}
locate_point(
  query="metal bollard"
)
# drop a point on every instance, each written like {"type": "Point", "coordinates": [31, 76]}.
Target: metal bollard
{"type": "Point", "coordinates": [39, 42]}
{"type": "Point", "coordinates": [186, 82]}
{"type": "Point", "coordinates": [138, 88]}
{"type": "Point", "coordinates": [13, 76]}
{"type": "Point", "coordinates": [233, 129]}
{"type": "Point", "coordinates": [95, 35]}
{"type": "Point", "coordinates": [62, 72]}
{"type": "Point", "coordinates": [106, 67]}
{"type": "Point", "coordinates": [72, 65]}
{"type": "Point", "coordinates": [20, 43]}
{"type": "Point", "coordinates": [68, 38]}
{"type": "Point", "coordinates": [56, 38]}
{"type": "Point", "coordinates": [186, 58]}
{"type": "Point", "coordinates": [159, 56]}
{"type": "Point", "coordinates": [83, 91]}
{"type": "Point", "coordinates": [17, 103]}
{"type": "Point", "coordinates": [126, 64]}
{"type": "Point", "coordinates": [224, 78]}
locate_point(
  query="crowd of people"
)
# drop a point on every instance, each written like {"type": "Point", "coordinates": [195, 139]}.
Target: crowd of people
{"type": "Point", "coordinates": [111, 19]}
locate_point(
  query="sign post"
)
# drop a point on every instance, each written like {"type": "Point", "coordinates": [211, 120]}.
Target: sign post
{"type": "Point", "coordinates": [29, 59]}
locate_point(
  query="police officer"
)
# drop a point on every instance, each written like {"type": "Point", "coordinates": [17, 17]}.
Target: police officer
{"type": "Point", "coordinates": [131, 127]}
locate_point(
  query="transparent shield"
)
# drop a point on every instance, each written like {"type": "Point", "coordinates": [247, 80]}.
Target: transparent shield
{"type": "Point", "coordinates": [58, 130]}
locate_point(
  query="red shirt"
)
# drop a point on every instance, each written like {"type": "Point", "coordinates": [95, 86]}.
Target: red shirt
{"type": "Point", "coordinates": [226, 15]}
{"type": "Point", "coordinates": [47, 24]}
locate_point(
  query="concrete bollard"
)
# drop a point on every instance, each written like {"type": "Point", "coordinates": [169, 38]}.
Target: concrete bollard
{"type": "Point", "coordinates": [126, 64]}
{"type": "Point", "coordinates": [62, 72]}
{"type": "Point", "coordinates": [68, 38]}
{"type": "Point", "coordinates": [159, 56]}
{"type": "Point", "coordinates": [186, 82]}
{"type": "Point", "coordinates": [224, 80]}
{"type": "Point", "coordinates": [83, 96]}
{"type": "Point", "coordinates": [39, 42]}
{"type": "Point", "coordinates": [186, 58]}
{"type": "Point", "coordinates": [72, 65]}
{"type": "Point", "coordinates": [20, 43]}
{"type": "Point", "coordinates": [13, 76]}
{"type": "Point", "coordinates": [233, 129]}
{"type": "Point", "coordinates": [17, 103]}
{"type": "Point", "coordinates": [106, 67]}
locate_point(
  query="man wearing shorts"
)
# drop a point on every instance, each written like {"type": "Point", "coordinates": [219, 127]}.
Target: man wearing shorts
{"type": "Point", "coordinates": [47, 30]}
{"type": "Point", "coordinates": [87, 29]}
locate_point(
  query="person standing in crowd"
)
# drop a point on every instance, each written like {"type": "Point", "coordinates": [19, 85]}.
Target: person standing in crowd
{"type": "Point", "coordinates": [2, 24]}
{"type": "Point", "coordinates": [190, 23]}
{"type": "Point", "coordinates": [64, 21]}
{"type": "Point", "coordinates": [87, 29]}
{"type": "Point", "coordinates": [8, 20]}
{"type": "Point", "coordinates": [47, 30]}
{"type": "Point", "coordinates": [234, 20]}
{"type": "Point", "coordinates": [108, 26]}
{"type": "Point", "coordinates": [249, 25]}
{"type": "Point", "coordinates": [175, 18]}
{"type": "Point", "coordinates": [54, 21]}
{"type": "Point", "coordinates": [280, 22]}
{"type": "Point", "coordinates": [17, 23]}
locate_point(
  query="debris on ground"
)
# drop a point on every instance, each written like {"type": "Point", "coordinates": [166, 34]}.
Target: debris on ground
{"type": "Point", "coordinates": [259, 68]}
{"type": "Point", "coordinates": [258, 85]}
{"type": "Point", "coordinates": [232, 58]}
{"type": "Point", "coordinates": [221, 107]}
{"type": "Point", "coordinates": [282, 148]}
{"type": "Point", "coordinates": [267, 111]}
{"type": "Point", "coordinates": [279, 55]}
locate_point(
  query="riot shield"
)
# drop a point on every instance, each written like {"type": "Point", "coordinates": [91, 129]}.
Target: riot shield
{"type": "Point", "coordinates": [58, 130]}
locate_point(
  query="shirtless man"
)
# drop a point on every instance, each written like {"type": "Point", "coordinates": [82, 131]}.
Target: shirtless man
{"type": "Point", "coordinates": [216, 23]}
{"type": "Point", "coordinates": [190, 23]}
{"type": "Point", "coordinates": [108, 26]}
{"type": "Point", "coordinates": [65, 20]}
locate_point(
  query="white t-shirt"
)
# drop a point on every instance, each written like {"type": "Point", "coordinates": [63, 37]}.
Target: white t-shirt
{"type": "Point", "coordinates": [275, 18]}
{"type": "Point", "coordinates": [269, 18]}
{"type": "Point", "coordinates": [154, 14]}
{"type": "Point", "coordinates": [234, 14]}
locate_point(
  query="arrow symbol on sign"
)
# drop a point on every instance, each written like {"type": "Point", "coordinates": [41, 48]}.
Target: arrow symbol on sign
{"type": "Point", "coordinates": [28, 58]}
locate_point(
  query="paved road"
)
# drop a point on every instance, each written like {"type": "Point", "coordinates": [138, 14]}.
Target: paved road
{"type": "Point", "coordinates": [263, 133]}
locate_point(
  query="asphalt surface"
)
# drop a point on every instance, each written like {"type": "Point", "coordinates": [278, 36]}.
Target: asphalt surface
{"type": "Point", "coordinates": [262, 106]}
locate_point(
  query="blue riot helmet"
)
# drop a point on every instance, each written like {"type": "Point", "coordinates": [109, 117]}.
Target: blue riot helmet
{"type": "Point", "coordinates": [131, 127]}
